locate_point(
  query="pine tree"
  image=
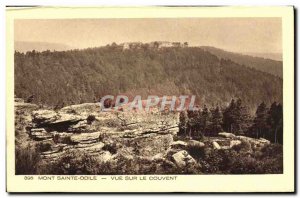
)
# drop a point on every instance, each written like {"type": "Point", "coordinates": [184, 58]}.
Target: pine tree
{"type": "Point", "coordinates": [204, 121]}
{"type": "Point", "coordinates": [236, 118]}
{"type": "Point", "coordinates": [183, 123]}
{"type": "Point", "coordinates": [260, 126]}
{"type": "Point", "coordinates": [193, 123]}
{"type": "Point", "coordinates": [241, 118]}
{"type": "Point", "coordinates": [228, 118]}
{"type": "Point", "coordinates": [216, 121]}
{"type": "Point", "coordinates": [275, 123]}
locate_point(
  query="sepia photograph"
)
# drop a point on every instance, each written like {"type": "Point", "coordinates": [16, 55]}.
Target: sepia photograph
{"type": "Point", "coordinates": [155, 96]}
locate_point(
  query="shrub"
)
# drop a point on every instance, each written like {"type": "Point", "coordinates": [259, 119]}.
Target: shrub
{"type": "Point", "coordinates": [90, 119]}
{"type": "Point", "coordinates": [212, 162]}
{"type": "Point", "coordinates": [74, 163]}
{"type": "Point", "coordinates": [196, 151]}
{"type": "Point", "coordinates": [244, 147]}
{"type": "Point", "coordinates": [217, 161]}
{"type": "Point", "coordinates": [27, 159]}
{"type": "Point", "coordinates": [112, 123]}
{"type": "Point", "coordinates": [112, 148]}
{"type": "Point", "coordinates": [42, 147]}
{"type": "Point", "coordinates": [71, 111]}
{"type": "Point", "coordinates": [272, 150]}
{"type": "Point", "coordinates": [103, 137]}
{"type": "Point", "coordinates": [199, 137]}
{"type": "Point", "coordinates": [271, 166]}
{"type": "Point", "coordinates": [244, 165]}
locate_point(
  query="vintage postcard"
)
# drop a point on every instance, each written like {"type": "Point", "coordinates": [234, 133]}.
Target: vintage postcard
{"type": "Point", "coordinates": [150, 99]}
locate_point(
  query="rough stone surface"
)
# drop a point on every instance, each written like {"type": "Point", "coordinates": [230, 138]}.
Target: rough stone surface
{"type": "Point", "coordinates": [179, 145]}
{"type": "Point", "coordinates": [85, 137]}
{"type": "Point", "coordinates": [44, 116]}
{"type": "Point", "coordinates": [85, 109]}
{"type": "Point", "coordinates": [144, 134]}
{"type": "Point", "coordinates": [256, 142]}
{"type": "Point", "coordinates": [226, 135]}
{"type": "Point", "coordinates": [182, 158]}
{"type": "Point", "coordinates": [264, 141]}
{"type": "Point", "coordinates": [40, 134]}
{"type": "Point", "coordinates": [105, 156]}
{"type": "Point", "coordinates": [234, 143]}
{"type": "Point", "coordinates": [195, 143]}
{"type": "Point", "coordinates": [216, 145]}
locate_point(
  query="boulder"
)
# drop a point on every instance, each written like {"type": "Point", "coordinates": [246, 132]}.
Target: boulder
{"type": "Point", "coordinates": [40, 134]}
{"type": "Point", "coordinates": [85, 126]}
{"type": "Point", "coordinates": [179, 145]}
{"type": "Point", "coordinates": [68, 118]}
{"type": "Point", "coordinates": [226, 135]}
{"type": "Point", "coordinates": [44, 116]}
{"type": "Point", "coordinates": [61, 137]}
{"type": "Point", "coordinates": [159, 156]}
{"type": "Point", "coordinates": [195, 143]}
{"type": "Point", "coordinates": [90, 148]}
{"type": "Point", "coordinates": [182, 159]}
{"type": "Point", "coordinates": [105, 156]}
{"type": "Point", "coordinates": [50, 118]}
{"type": "Point", "coordinates": [235, 143]}
{"type": "Point", "coordinates": [52, 156]}
{"type": "Point", "coordinates": [216, 145]}
{"type": "Point", "coordinates": [264, 141]}
{"type": "Point", "coordinates": [84, 137]}
{"type": "Point", "coordinates": [225, 147]}
{"type": "Point", "coordinates": [256, 142]}
{"type": "Point", "coordinates": [80, 126]}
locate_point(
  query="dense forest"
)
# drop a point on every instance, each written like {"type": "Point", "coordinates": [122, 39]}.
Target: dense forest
{"type": "Point", "coordinates": [58, 79]}
{"type": "Point", "coordinates": [235, 118]}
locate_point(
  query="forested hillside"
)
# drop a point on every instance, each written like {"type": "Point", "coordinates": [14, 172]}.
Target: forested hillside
{"type": "Point", "coordinates": [263, 64]}
{"type": "Point", "coordinates": [77, 76]}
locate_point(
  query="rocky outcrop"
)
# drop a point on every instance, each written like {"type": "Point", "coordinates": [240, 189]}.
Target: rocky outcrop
{"type": "Point", "coordinates": [85, 128]}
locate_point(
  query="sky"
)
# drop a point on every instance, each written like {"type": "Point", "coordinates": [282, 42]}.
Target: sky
{"type": "Point", "coordinates": [256, 35]}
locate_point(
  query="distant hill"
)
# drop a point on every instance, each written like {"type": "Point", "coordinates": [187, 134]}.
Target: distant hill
{"type": "Point", "coordinates": [24, 46]}
{"type": "Point", "coordinates": [78, 76]}
{"type": "Point", "coordinates": [273, 56]}
{"type": "Point", "coordinates": [263, 64]}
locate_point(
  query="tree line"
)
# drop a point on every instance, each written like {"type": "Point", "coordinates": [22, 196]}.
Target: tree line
{"type": "Point", "coordinates": [235, 118]}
